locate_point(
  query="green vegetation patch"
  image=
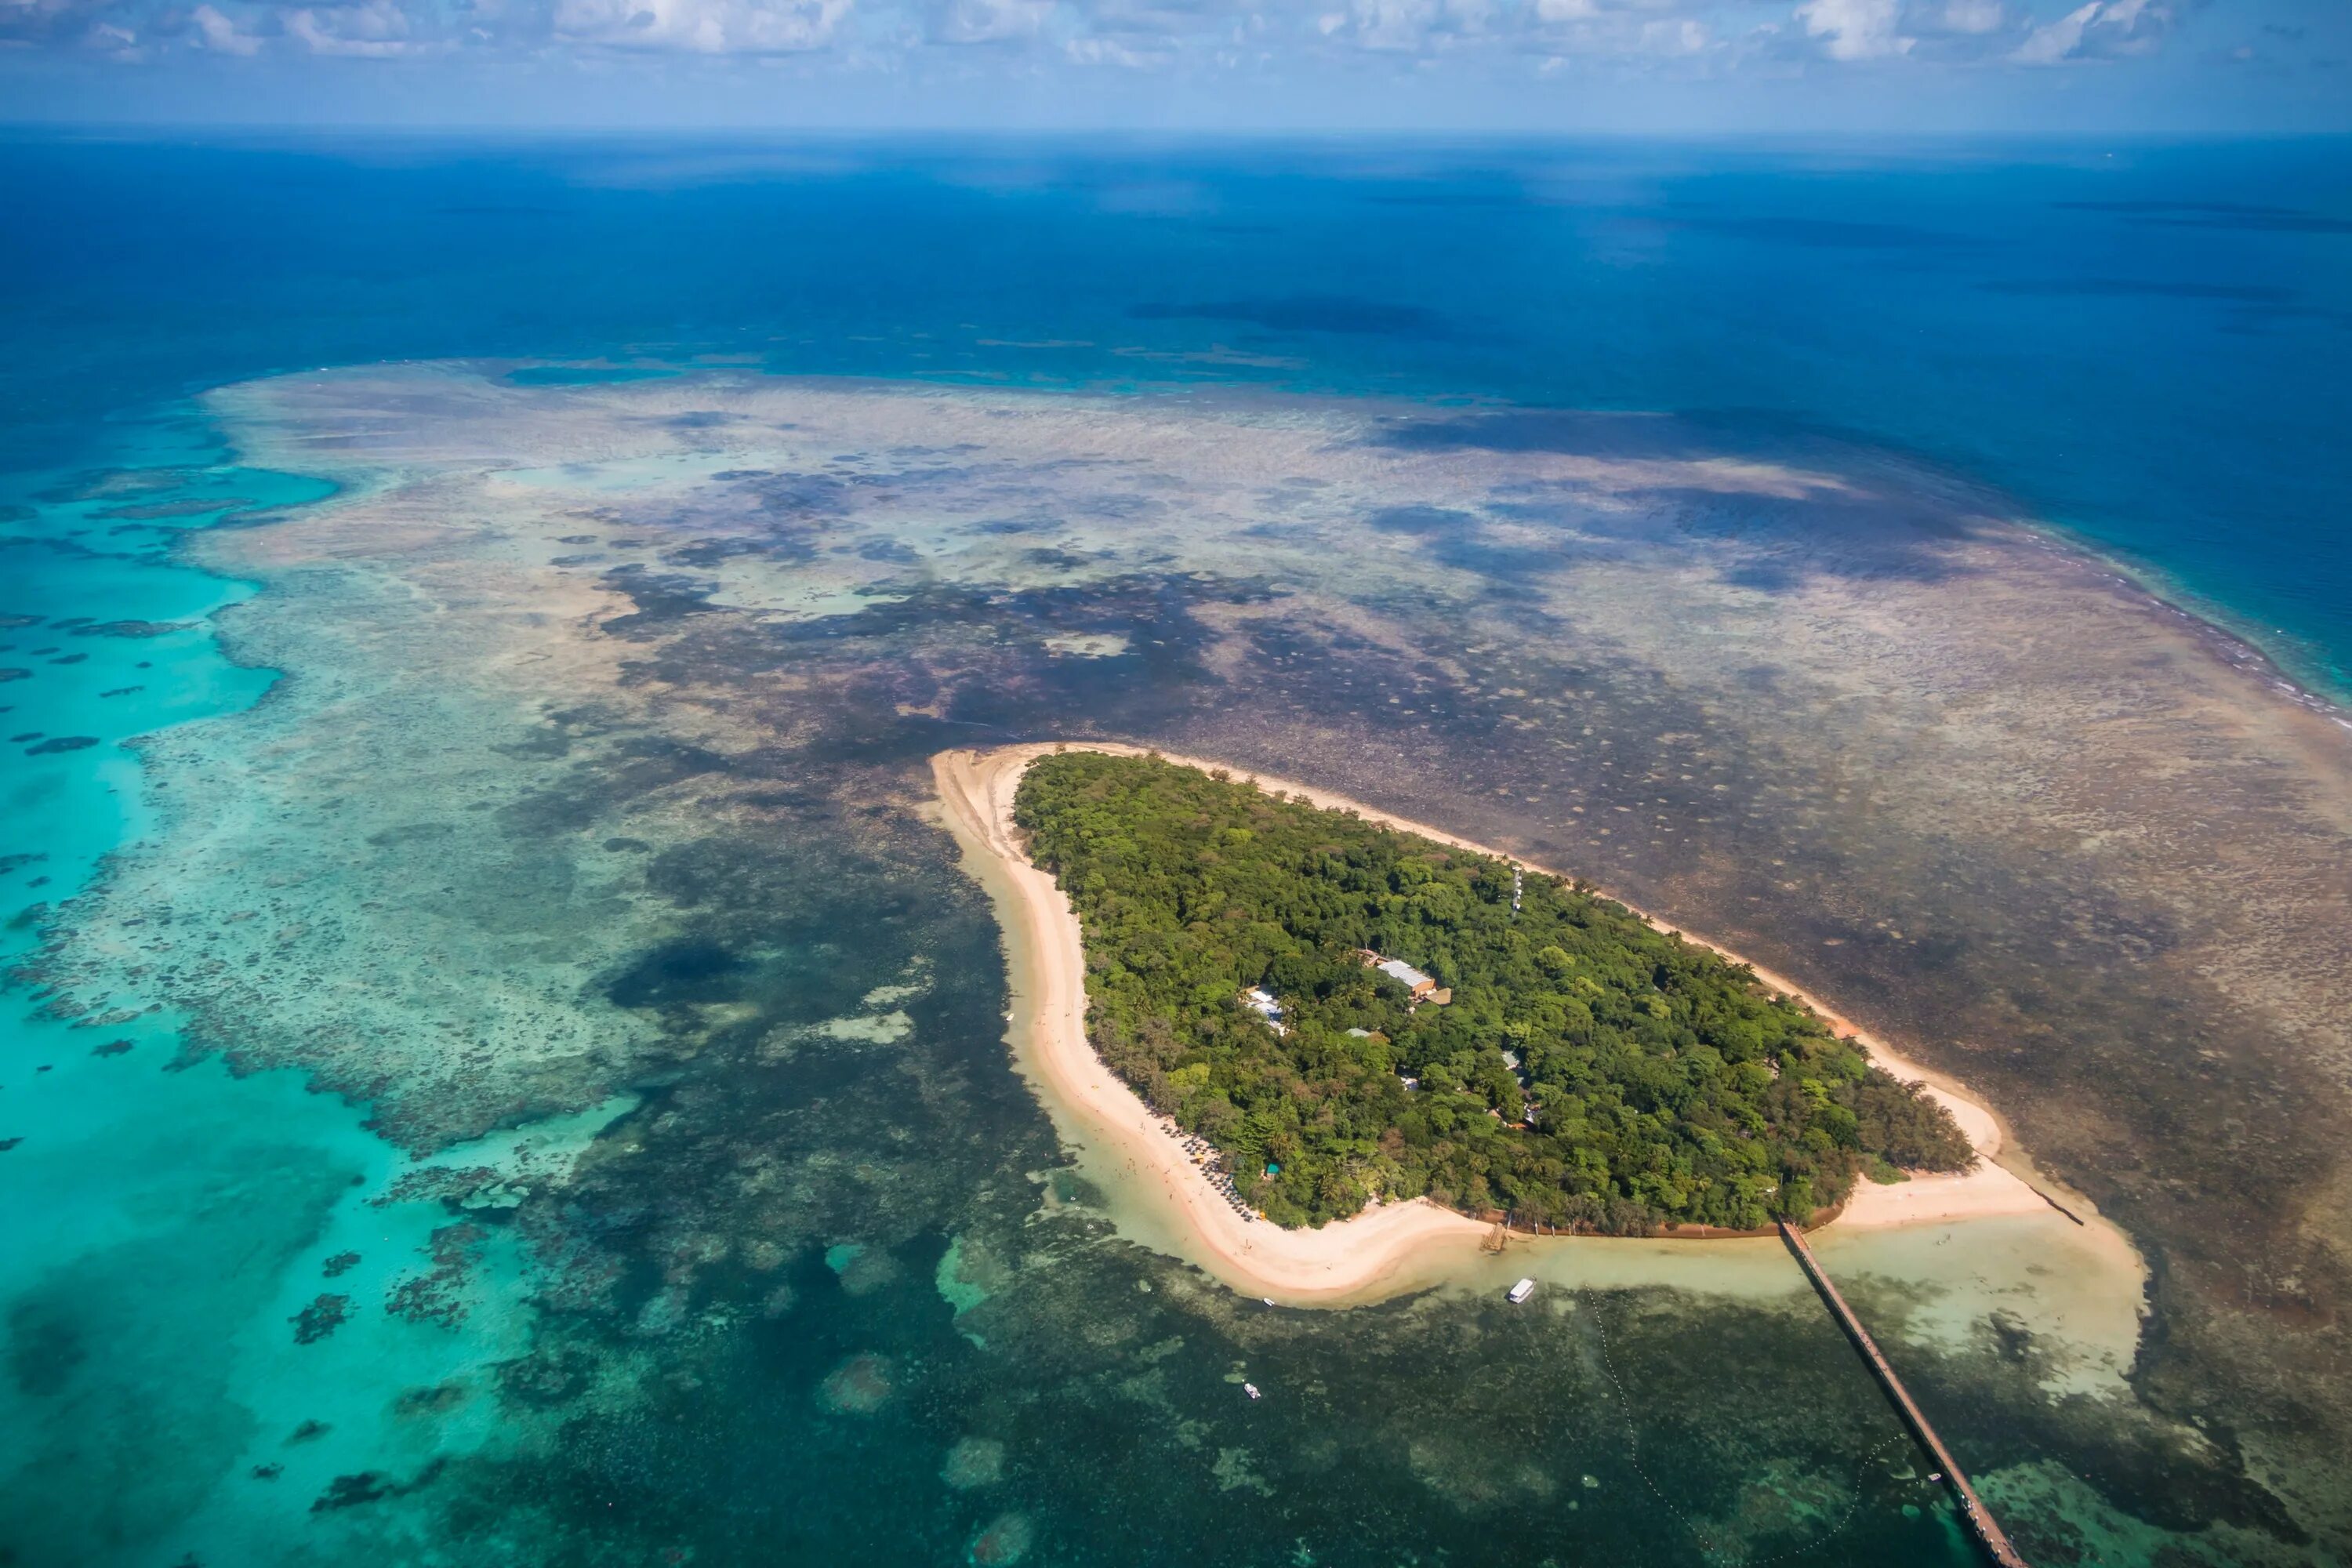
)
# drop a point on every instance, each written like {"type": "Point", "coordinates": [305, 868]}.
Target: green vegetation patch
{"type": "Point", "coordinates": [1590, 1071]}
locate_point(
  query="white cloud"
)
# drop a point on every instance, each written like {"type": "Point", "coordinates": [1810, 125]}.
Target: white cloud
{"type": "Point", "coordinates": [702, 26]}
{"type": "Point", "coordinates": [1108, 52]}
{"type": "Point", "coordinates": [2104, 29]}
{"type": "Point", "coordinates": [1973, 17]}
{"type": "Point", "coordinates": [1855, 29]}
{"type": "Point", "coordinates": [1221, 35]}
{"type": "Point", "coordinates": [2050, 44]}
{"type": "Point", "coordinates": [1560, 34]}
{"type": "Point", "coordinates": [1391, 23]}
{"type": "Point", "coordinates": [30, 22]}
{"type": "Point", "coordinates": [988, 21]}
{"type": "Point", "coordinates": [215, 33]}
{"type": "Point", "coordinates": [1686, 37]}
{"type": "Point", "coordinates": [377, 29]}
{"type": "Point", "coordinates": [1411, 27]}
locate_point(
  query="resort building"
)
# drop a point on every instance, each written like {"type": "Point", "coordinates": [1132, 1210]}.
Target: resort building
{"type": "Point", "coordinates": [1419, 987]}
{"type": "Point", "coordinates": [1259, 1002]}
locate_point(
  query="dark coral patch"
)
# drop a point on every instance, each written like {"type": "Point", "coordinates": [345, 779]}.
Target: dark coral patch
{"type": "Point", "coordinates": [437, 1297]}
{"type": "Point", "coordinates": [46, 1343]}
{"type": "Point", "coordinates": [370, 1486]}
{"type": "Point", "coordinates": [61, 744]}
{"type": "Point", "coordinates": [679, 972]}
{"type": "Point", "coordinates": [132, 629]}
{"type": "Point", "coordinates": [347, 1491]}
{"type": "Point", "coordinates": [320, 1318]}
{"type": "Point", "coordinates": [434, 1184]}
{"type": "Point", "coordinates": [177, 508]}
{"type": "Point", "coordinates": [417, 1403]}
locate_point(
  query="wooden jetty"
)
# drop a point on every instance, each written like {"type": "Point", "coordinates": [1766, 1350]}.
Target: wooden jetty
{"type": "Point", "coordinates": [1972, 1508]}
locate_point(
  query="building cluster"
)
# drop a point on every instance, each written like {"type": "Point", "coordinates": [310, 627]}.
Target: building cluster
{"type": "Point", "coordinates": [1421, 987]}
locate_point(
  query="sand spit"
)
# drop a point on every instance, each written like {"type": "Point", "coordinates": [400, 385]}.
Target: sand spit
{"type": "Point", "coordinates": [1386, 1249]}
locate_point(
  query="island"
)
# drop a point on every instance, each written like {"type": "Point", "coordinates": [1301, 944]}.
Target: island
{"type": "Point", "coordinates": [1346, 1012]}
{"type": "Point", "coordinates": [1172, 1189]}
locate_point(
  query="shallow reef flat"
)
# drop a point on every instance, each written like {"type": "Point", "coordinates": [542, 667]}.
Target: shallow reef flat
{"type": "Point", "coordinates": [599, 763]}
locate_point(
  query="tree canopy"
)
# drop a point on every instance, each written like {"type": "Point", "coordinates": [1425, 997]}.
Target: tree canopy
{"type": "Point", "coordinates": [1590, 1070]}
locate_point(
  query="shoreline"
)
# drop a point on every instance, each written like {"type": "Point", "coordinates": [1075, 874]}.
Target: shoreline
{"type": "Point", "coordinates": [1386, 1249]}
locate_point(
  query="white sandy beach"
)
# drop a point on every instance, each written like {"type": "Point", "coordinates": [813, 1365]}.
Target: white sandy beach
{"type": "Point", "coordinates": [1384, 1249]}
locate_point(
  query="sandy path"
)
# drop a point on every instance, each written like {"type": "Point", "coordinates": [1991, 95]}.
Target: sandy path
{"type": "Point", "coordinates": [1381, 1249]}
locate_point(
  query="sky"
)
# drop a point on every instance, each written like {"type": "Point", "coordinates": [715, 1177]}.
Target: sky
{"type": "Point", "coordinates": [1713, 67]}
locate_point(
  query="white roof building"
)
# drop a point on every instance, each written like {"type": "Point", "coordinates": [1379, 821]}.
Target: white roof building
{"type": "Point", "coordinates": [1422, 986]}
{"type": "Point", "coordinates": [1413, 979]}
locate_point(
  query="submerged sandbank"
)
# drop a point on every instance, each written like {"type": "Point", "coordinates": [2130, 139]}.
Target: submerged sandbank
{"type": "Point", "coordinates": [1165, 1200]}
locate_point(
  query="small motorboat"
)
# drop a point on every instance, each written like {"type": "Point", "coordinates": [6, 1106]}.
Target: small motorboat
{"type": "Point", "coordinates": [1251, 1389]}
{"type": "Point", "coordinates": [1520, 1291]}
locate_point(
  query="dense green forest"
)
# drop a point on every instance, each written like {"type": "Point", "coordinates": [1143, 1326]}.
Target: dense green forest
{"type": "Point", "coordinates": [1589, 1071]}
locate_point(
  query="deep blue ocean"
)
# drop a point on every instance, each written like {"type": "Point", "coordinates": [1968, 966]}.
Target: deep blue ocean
{"type": "Point", "coordinates": [2142, 345]}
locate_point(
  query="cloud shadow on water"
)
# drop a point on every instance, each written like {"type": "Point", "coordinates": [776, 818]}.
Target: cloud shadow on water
{"type": "Point", "coordinates": [1847, 521]}
{"type": "Point", "coordinates": [2240, 215]}
{"type": "Point", "coordinates": [2135, 288]}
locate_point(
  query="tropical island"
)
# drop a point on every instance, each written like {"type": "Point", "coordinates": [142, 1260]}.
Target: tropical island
{"type": "Point", "coordinates": [1347, 1012]}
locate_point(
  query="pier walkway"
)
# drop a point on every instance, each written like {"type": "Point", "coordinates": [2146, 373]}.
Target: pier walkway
{"type": "Point", "coordinates": [1980, 1521]}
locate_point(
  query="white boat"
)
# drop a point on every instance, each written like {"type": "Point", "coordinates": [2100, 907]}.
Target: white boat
{"type": "Point", "coordinates": [1520, 1291]}
{"type": "Point", "coordinates": [1250, 1389]}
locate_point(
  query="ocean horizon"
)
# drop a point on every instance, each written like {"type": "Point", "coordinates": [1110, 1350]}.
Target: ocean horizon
{"type": "Point", "coordinates": [2132, 343]}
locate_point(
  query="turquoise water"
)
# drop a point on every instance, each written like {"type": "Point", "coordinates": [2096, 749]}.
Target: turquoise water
{"type": "Point", "coordinates": [161, 1207]}
{"type": "Point", "coordinates": [111, 640]}
{"type": "Point", "coordinates": [118, 648]}
{"type": "Point", "coordinates": [2141, 348]}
